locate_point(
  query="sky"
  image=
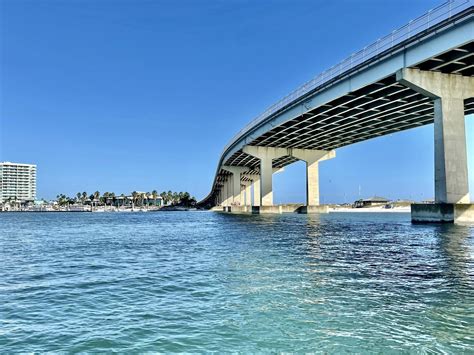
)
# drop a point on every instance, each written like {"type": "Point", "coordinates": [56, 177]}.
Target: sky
{"type": "Point", "coordinates": [122, 95]}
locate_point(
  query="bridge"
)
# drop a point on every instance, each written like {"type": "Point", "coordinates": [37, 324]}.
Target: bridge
{"type": "Point", "coordinates": [419, 74]}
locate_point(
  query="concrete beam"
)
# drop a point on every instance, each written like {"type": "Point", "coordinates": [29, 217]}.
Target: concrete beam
{"type": "Point", "coordinates": [437, 85]}
{"type": "Point", "coordinates": [312, 155]}
{"type": "Point", "coordinates": [448, 92]}
{"type": "Point", "coordinates": [266, 156]}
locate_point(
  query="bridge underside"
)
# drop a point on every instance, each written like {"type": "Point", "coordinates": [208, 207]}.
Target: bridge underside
{"type": "Point", "coordinates": [378, 109]}
{"type": "Point", "coordinates": [424, 77]}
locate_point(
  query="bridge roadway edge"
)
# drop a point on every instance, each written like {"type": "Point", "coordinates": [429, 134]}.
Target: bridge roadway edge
{"type": "Point", "coordinates": [455, 36]}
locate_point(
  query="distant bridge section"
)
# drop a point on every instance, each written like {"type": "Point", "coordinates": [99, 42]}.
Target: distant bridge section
{"type": "Point", "coordinates": [420, 74]}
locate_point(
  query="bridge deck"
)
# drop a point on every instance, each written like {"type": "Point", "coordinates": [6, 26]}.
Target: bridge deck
{"type": "Point", "coordinates": [376, 109]}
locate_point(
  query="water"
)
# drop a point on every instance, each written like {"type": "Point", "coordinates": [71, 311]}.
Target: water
{"type": "Point", "coordinates": [195, 282]}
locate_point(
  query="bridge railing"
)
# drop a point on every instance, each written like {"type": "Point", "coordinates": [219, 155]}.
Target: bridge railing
{"type": "Point", "coordinates": [414, 27]}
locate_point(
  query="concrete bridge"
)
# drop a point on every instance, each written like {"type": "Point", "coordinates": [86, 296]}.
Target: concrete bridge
{"type": "Point", "coordinates": [419, 74]}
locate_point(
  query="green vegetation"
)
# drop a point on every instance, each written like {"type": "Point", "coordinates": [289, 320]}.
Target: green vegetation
{"type": "Point", "coordinates": [178, 198]}
{"type": "Point", "coordinates": [135, 199]}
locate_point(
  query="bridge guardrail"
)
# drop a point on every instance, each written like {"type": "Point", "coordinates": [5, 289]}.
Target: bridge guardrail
{"type": "Point", "coordinates": [414, 27]}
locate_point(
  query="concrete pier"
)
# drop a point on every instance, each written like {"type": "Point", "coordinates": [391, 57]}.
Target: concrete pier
{"type": "Point", "coordinates": [246, 193]}
{"type": "Point", "coordinates": [312, 159]}
{"type": "Point", "coordinates": [448, 92]}
{"type": "Point", "coordinates": [225, 193]}
{"type": "Point", "coordinates": [266, 156]}
{"type": "Point", "coordinates": [255, 186]}
{"type": "Point", "coordinates": [236, 171]}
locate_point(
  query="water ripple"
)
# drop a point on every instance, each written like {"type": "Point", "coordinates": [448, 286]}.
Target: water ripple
{"type": "Point", "coordinates": [201, 282]}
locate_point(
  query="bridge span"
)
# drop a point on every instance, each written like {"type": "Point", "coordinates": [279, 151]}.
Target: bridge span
{"type": "Point", "coordinates": [419, 74]}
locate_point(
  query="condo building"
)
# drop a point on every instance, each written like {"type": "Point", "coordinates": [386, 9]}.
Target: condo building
{"type": "Point", "coordinates": [17, 182]}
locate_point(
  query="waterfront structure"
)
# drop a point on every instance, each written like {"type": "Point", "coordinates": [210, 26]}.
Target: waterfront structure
{"type": "Point", "coordinates": [145, 198]}
{"type": "Point", "coordinates": [421, 73]}
{"type": "Point", "coordinates": [372, 201]}
{"type": "Point", "coordinates": [17, 182]}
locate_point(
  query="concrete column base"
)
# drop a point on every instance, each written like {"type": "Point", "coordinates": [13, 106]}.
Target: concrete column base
{"type": "Point", "coordinates": [239, 209]}
{"type": "Point", "coordinates": [442, 213]}
{"type": "Point", "coordinates": [275, 209]}
{"type": "Point", "coordinates": [232, 209]}
{"type": "Point", "coordinates": [313, 209]}
{"type": "Point", "coordinates": [290, 208]}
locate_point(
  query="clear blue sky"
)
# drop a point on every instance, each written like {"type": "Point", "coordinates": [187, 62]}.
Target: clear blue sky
{"type": "Point", "coordinates": [142, 95]}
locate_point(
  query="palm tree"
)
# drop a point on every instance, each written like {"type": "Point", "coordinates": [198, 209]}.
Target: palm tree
{"type": "Point", "coordinates": [63, 199]}
{"type": "Point", "coordinates": [185, 199]}
{"type": "Point", "coordinates": [154, 194]}
{"type": "Point", "coordinates": [84, 197]}
{"type": "Point", "coordinates": [112, 197]}
{"type": "Point", "coordinates": [96, 196]}
{"type": "Point", "coordinates": [164, 196]}
{"type": "Point", "coordinates": [105, 197]}
{"type": "Point", "coordinates": [134, 197]}
{"type": "Point", "coordinates": [78, 196]}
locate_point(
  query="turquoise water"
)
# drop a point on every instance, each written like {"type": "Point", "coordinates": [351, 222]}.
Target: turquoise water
{"type": "Point", "coordinates": [202, 281]}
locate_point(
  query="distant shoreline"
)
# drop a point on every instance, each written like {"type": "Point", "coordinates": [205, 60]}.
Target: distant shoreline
{"type": "Point", "coordinates": [331, 209]}
{"type": "Point", "coordinates": [404, 209]}
{"type": "Point", "coordinates": [165, 209]}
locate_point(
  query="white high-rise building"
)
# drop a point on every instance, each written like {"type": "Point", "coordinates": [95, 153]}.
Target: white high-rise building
{"type": "Point", "coordinates": [17, 182]}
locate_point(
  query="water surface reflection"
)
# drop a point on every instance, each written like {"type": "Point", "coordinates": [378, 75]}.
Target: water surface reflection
{"type": "Point", "coordinates": [194, 282]}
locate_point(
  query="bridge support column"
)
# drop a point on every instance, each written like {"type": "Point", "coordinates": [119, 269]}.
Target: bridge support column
{"type": "Point", "coordinates": [248, 195]}
{"type": "Point", "coordinates": [225, 193]}
{"type": "Point", "coordinates": [266, 156]}
{"type": "Point", "coordinates": [449, 92]}
{"type": "Point", "coordinates": [221, 196]}
{"type": "Point", "coordinates": [257, 196]}
{"type": "Point", "coordinates": [218, 197]}
{"type": "Point", "coordinates": [247, 192]}
{"type": "Point", "coordinates": [312, 158]}
{"type": "Point", "coordinates": [255, 185]}
{"type": "Point", "coordinates": [236, 172]}
{"type": "Point", "coordinates": [229, 191]}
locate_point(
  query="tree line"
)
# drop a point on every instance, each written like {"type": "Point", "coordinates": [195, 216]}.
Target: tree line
{"type": "Point", "coordinates": [136, 198]}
